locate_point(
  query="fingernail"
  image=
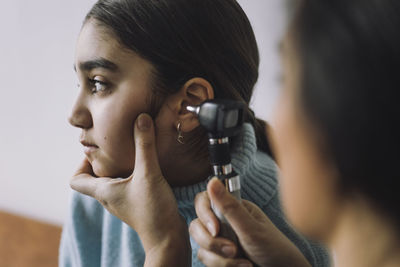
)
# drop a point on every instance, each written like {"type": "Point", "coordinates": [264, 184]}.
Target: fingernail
{"type": "Point", "coordinates": [218, 189]}
{"type": "Point", "coordinates": [211, 229]}
{"type": "Point", "coordinates": [144, 122]}
{"type": "Point", "coordinates": [228, 251]}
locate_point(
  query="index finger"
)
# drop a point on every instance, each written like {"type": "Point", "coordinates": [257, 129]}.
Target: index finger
{"type": "Point", "coordinates": [84, 183]}
{"type": "Point", "coordinates": [207, 217]}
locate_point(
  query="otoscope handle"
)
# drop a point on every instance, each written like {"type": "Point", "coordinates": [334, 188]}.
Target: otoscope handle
{"type": "Point", "coordinates": [226, 230]}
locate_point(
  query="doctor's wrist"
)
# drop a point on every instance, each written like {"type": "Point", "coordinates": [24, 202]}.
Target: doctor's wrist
{"type": "Point", "coordinates": [171, 249]}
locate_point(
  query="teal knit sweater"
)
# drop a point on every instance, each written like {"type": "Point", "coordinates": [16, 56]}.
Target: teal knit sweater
{"type": "Point", "coordinates": [94, 237]}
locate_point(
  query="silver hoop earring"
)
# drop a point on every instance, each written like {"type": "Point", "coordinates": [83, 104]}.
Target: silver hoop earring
{"type": "Point", "coordinates": [180, 136]}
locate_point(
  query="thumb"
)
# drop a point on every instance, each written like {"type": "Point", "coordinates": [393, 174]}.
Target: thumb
{"type": "Point", "coordinates": [234, 212]}
{"type": "Point", "coordinates": [146, 158]}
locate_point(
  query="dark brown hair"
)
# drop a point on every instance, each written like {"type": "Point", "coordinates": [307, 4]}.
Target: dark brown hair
{"type": "Point", "coordinates": [349, 54]}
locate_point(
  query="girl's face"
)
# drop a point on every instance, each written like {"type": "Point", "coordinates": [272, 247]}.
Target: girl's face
{"type": "Point", "coordinates": [307, 177]}
{"type": "Point", "coordinates": [114, 90]}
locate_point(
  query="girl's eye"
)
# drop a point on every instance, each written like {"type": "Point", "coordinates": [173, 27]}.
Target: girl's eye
{"type": "Point", "coordinates": [98, 86]}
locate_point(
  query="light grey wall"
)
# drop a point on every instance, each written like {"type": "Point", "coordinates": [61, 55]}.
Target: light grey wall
{"type": "Point", "coordinates": [38, 149]}
{"type": "Point", "coordinates": [269, 21]}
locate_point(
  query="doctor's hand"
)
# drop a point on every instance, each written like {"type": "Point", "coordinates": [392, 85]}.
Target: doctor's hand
{"type": "Point", "coordinates": [262, 243]}
{"type": "Point", "coordinates": [144, 201]}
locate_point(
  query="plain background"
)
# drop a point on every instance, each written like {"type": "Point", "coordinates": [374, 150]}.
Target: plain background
{"type": "Point", "coordinates": [39, 150]}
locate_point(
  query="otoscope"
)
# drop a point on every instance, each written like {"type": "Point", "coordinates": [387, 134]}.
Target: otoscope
{"type": "Point", "coordinates": [222, 119]}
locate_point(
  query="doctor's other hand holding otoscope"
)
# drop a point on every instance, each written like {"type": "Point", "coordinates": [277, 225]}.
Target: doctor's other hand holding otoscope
{"type": "Point", "coordinates": [262, 243]}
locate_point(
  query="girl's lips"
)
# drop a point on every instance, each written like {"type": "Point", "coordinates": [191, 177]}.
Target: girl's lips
{"type": "Point", "coordinates": [88, 147]}
{"type": "Point", "coordinates": [87, 143]}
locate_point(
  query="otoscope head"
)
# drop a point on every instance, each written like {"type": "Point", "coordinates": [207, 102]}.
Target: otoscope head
{"type": "Point", "coordinates": [220, 117]}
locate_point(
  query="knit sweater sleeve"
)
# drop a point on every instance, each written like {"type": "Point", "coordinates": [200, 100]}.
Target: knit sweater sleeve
{"type": "Point", "coordinates": [315, 253]}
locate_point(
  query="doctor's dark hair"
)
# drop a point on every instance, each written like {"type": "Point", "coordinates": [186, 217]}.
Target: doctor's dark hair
{"type": "Point", "coordinates": [349, 55]}
{"type": "Point", "coordinates": [183, 39]}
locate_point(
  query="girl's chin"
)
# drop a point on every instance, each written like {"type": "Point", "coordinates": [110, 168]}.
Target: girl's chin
{"type": "Point", "coordinates": [100, 170]}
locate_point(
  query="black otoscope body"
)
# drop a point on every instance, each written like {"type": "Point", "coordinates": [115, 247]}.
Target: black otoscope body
{"type": "Point", "coordinates": [222, 119]}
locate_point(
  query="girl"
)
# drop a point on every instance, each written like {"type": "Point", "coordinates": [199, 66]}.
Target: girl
{"type": "Point", "coordinates": [151, 56]}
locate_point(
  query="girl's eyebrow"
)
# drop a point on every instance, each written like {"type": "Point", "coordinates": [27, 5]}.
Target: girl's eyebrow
{"type": "Point", "coordinates": [97, 63]}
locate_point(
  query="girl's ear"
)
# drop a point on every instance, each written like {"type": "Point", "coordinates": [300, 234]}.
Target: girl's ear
{"type": "Point", "coordinates": [193, 93]}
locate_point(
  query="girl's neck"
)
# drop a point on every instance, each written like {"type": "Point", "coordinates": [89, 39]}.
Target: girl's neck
{"type": "Point", "coordinates": [364, 238]}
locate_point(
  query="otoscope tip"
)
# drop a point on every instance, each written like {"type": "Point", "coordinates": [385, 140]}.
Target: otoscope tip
{"type": "Point", "coordinates": [193, 109]}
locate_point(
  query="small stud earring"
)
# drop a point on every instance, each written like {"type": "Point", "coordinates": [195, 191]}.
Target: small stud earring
{"type": "Point", "coordinates": [180, 136]}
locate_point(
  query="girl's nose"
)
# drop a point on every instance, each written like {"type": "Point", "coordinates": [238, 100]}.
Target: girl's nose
{"type": "Point", "coordinates": [80, 116]}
